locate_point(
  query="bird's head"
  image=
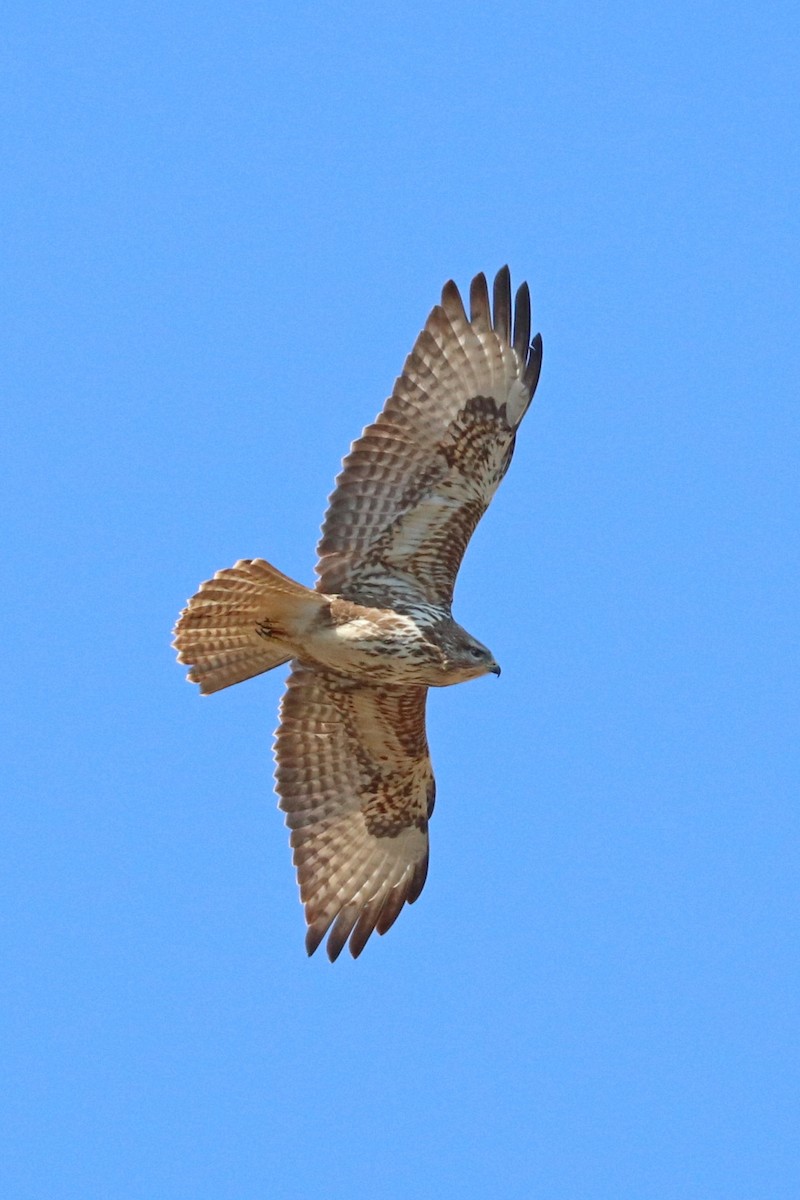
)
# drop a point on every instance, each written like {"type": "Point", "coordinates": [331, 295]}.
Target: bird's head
{"type": "Point", "coordinates": [464, 657]}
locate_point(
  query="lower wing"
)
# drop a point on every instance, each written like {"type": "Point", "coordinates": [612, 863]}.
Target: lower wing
{"type": "Point", "coordinates": [355, 781]}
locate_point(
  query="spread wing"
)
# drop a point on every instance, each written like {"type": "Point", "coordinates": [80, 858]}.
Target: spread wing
{"type": "Point", "coordinates": [418, 480]}
{"type": "Point", "coordinates": [355, 781]}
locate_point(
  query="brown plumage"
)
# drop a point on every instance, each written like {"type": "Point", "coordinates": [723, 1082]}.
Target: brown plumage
{"type": "Point", "coordinates": [353, 770]}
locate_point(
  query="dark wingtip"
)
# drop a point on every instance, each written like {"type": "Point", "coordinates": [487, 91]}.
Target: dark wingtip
{"type": "Point", "coordinates": [313, 939]}
{"type": "Point", "coordinates": [333, 949]}
{"type": "Point", "coordinates": [364, 926]}
{"type": "Point", "coordinates": [502, 303]}
{"type": "Point", "coordinates": [356, 945]}
{"type": "Point", "coordinates": [417, 882]}
{"type": "Point", "coordinates": [452, 303]}
{"type": "Point", "coordinates": [341, 930]}
{"type": "Point", "coordinates": [479, 312]}
{"type": "Point", "coordinates": [522, 322]}
{"type": "Point", "coordinates": [533, 366]}
{"type": "Point", "coordinates": [392, 907]}
{"type": "Point", "coordinates": [450, 292]}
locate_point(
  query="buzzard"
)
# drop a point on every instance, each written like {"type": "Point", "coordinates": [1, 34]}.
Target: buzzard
{"type": "Point", "coordinates": [353, 771]}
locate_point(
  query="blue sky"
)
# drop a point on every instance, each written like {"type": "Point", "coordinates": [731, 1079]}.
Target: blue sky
{"type": "Point", "coordinates": [223, 228]}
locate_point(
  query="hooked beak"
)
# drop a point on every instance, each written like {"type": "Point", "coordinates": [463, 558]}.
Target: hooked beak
{"type": "Point", "coordinates": [494, 670]}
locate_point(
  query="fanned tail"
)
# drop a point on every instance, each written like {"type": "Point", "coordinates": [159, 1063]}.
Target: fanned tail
{"type": "Point", "coordinates": [241, 623]}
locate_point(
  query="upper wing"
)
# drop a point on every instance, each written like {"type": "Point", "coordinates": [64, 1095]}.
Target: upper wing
{"type": "Point", "coordinates": [418, 480]}
{"type": "Point", "coordinates": [355, 781]}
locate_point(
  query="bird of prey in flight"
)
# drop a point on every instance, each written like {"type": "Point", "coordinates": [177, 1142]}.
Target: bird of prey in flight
{"type": "Point", "coordinates": [353, 771]}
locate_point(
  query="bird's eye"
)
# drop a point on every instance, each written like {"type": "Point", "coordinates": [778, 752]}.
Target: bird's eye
{"type": "Point", "coordinates": [476, 652]}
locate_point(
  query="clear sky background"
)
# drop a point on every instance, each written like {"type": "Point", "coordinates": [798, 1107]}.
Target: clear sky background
{"type": "Point", "coordinates": [223, 227]}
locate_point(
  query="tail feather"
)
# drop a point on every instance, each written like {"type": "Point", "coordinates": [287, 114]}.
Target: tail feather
{"type": "Point", "coordinates": [244, 621]}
